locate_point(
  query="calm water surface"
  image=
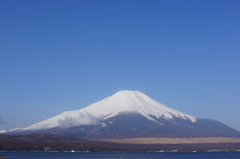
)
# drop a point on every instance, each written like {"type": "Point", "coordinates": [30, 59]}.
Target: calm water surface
{"type": "Point", "coordinates": [110, 155]}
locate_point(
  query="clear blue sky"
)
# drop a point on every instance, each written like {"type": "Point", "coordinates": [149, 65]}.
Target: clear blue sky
{"type": "Point", "coordinates": [60, 55]}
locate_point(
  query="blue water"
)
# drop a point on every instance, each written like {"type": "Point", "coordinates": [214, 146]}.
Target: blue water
{"type": "Point", "coordinates": [115, 155]}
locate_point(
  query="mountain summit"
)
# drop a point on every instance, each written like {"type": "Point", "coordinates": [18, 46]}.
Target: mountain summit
{"type": "Point", "coordinates": [129, 114]}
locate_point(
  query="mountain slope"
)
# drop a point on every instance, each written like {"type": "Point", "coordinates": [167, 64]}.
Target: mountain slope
{"type": "Point", "coordinates": [123, 101]}
{"type": "Point", "coordinates": [128, 114]}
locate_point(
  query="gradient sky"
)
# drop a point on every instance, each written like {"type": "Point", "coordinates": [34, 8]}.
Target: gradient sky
{"type": "Point", "coordinates": [60, 55]}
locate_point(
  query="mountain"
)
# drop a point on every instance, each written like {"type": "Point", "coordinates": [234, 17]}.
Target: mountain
{"type": "Point", "coordinates": [128, 114]}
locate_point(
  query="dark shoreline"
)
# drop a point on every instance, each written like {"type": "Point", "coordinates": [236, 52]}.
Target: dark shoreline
{"type": "Point", "coordinates": [49, 142]}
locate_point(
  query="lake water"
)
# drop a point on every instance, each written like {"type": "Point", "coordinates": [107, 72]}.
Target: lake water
{"type": "Point", "coordinates": [115, 155]}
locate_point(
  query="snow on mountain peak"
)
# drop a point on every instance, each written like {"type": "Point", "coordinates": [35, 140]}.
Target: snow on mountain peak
{"type": "Point", "coordinates": [133, 101]}
{"type": "Point", "coordinates": [120, 102]}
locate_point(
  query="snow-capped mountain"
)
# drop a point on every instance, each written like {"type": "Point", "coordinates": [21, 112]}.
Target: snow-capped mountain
{"type": "Point", "coordinates": [120, 102]}
{"type": "Point", "coordinates": [128, 114]}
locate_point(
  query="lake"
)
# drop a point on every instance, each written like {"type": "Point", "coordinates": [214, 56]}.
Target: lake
{"type": "Point", "coordinates": [120, 155]}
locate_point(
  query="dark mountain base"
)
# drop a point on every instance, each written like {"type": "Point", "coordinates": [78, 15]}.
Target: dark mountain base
{"type": "Point", "coordinates": [131, 125]}
{"type": "Point", "coordinates": [47, 142]}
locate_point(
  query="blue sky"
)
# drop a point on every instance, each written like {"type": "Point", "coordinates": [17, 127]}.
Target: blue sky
{"type": "Point", "coordinates": [60, 55]}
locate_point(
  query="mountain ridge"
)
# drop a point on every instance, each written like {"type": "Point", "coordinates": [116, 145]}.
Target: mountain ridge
{"type": "Point", "coordinates": [122, 101]}
{"type": "Point", "coordinates": [129, 114]}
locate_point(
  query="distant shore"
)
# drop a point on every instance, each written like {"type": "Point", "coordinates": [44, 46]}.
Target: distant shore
{"type": "Point", "coordinates": [59, 143]}
{"type": "Point", "coordinates": [206, 140]}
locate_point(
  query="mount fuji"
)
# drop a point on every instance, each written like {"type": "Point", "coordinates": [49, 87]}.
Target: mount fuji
{"type": "Point", "coordinates": [128, 114]}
